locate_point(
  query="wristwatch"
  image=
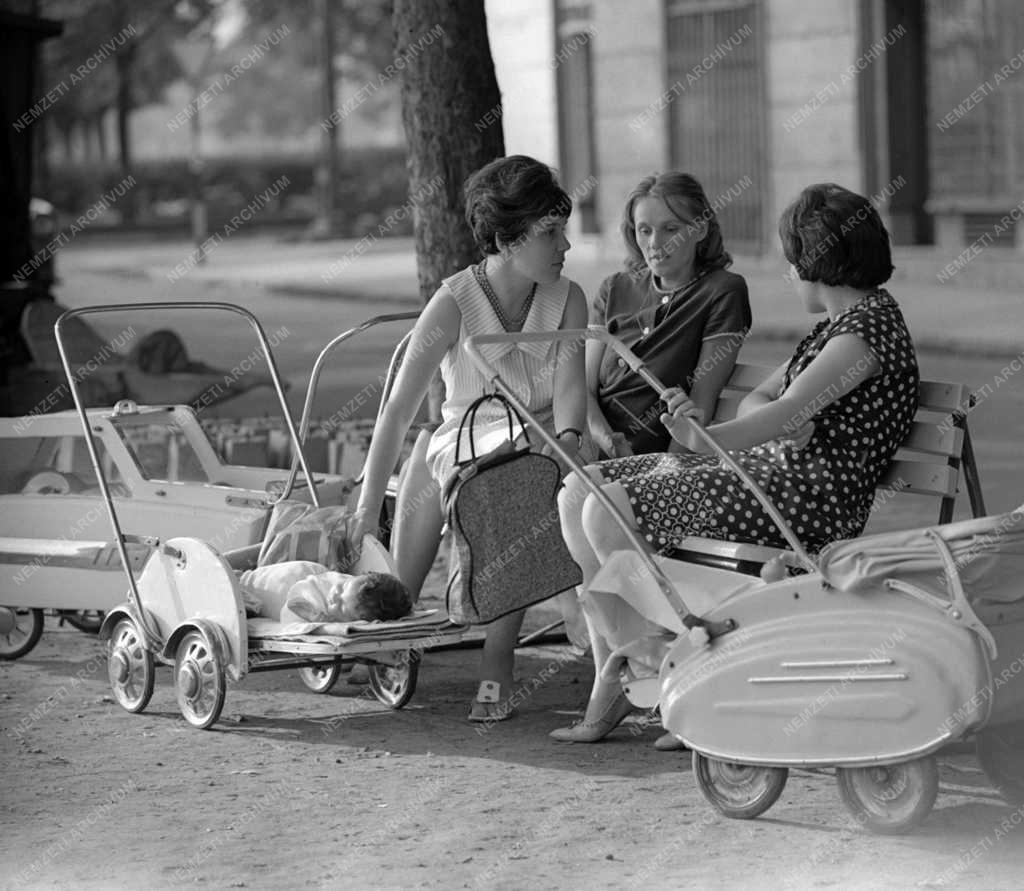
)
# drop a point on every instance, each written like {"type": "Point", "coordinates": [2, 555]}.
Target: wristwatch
{"type": "Point", "coordinates": [575, 432]}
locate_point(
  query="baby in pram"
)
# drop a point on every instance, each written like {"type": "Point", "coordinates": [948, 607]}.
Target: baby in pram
{"type": "Point", "coordinates": [300, 590]}
{"type": "Point", "coordinates": [298, 576]}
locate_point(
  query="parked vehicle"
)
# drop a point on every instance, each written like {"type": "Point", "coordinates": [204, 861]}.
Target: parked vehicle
{"type": "Point", "coordinates": [164, 477]}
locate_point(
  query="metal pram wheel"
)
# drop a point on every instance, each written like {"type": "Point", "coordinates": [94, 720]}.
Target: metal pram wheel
{"type": "Point", "coordinates": [890, 799]}
{"type": "Point", "coordinates": [394, 684]}
{"type": "Point", "coordinates": [320, 678]}
{"type": "Point", "coordinates": [199, 681]}
{"type": "Point", "coordinates": [130, 667]}
{"type": "Point", "coordinates": [739, 791]}
{"type": "Point", "coordinates": [20, 630]}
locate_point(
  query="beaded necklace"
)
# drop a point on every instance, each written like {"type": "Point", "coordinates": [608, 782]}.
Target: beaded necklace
{"type": "Point", "coordinates": [664, 297]}
{"type": "Point", "coordinates": [508, 324]}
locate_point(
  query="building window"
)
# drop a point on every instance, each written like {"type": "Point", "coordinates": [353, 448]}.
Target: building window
{"type": "Point", "coordinates": [573, 60]}
{"type": "Point", "coordinates": [717, 114]}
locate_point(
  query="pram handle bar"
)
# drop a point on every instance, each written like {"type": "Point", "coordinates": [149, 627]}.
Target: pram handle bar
{"type": "Point", "coordinates": [318, 365]}
{"type": "Point", "coordinates": [596, 332]}
{"type": "Point", "coordinates": [119, 537]}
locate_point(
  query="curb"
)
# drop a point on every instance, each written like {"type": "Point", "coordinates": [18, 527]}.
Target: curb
{"type": "Point", "coordinates": [962, 347]}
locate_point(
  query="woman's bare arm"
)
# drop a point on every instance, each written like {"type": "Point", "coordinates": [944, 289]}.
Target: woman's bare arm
{"type": "Point", "coordinates": [570, 380]}
{"type": "Point", "coordinates": [436, 331]}
{"type": "Point", "coordinates": [765, 392]}
{"type": "Point", "coordinates": [843, 364]}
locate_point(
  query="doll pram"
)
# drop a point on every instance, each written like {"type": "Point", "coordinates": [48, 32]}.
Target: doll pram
{"type": "Point", "coordinates": [868, 662]}
{"type": "Point", "coordinates": [186, 608]}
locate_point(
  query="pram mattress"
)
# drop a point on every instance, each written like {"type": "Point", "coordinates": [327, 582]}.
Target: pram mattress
{"type": "Point", "coordinates": [336, 636]}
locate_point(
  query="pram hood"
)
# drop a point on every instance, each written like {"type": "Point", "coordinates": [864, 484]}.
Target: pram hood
{"type": "Point", "coordinates": [988, 554]}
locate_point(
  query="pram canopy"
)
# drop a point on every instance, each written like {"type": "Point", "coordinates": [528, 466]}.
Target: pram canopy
{"type": "Point", "coordinates": [988, 556]}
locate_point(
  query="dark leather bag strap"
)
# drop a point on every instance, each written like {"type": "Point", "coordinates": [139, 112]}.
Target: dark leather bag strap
{"type": "Point", "coordinates": [470, 418]}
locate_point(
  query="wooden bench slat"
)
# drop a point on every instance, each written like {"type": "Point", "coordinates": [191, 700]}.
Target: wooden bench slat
{"type": "Point", "coordinates": [942, 397]}
{"type": "Point", "coordinates": [935, 440]}
{"type": "Point", "coordinates": [921, 478]}
{"type": "Point", "coordinates": [726, 407]}
{"type": "Point", "coordinates": [747, 377]}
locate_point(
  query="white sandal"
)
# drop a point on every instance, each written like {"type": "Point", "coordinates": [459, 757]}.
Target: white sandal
{"type": "Point", "coordinates": [488, 707]}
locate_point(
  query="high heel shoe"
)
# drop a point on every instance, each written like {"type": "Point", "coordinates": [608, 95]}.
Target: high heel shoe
{"type": "Point", "coordinates": [590, 731]}
{"type": "Point", "coordinates": [669, 742]}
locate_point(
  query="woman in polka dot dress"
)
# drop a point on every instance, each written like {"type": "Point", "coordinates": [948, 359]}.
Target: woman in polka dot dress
{"type": "Point", "coordinates": [817, 435]}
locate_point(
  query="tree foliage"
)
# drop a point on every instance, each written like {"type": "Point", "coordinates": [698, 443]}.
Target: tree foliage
{"type": "Point", "coordinates": [280, 94]}
{"type": "Point", "coordinates": [126, 48]}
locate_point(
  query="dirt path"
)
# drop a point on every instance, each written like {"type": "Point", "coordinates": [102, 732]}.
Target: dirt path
{"type": "Point", "coordinates": [295, 790]}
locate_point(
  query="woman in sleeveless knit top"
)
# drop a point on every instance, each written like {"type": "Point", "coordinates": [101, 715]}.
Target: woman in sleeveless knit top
{"type": "Point", "coordinates": [517, 213]}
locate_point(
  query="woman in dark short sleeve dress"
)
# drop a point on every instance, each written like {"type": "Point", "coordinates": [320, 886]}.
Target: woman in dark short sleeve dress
{"type": "Point", "coordinates": [817, 435]}
{"type": "Point", "coordinates": [678, 308]}
{"type": "Point", "coordinates": [675, 305]}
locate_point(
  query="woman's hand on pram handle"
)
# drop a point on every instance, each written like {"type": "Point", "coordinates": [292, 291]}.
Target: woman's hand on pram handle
{"type": "Point", "coordinates": [678, 407]}
{"type": "Point", "coordinates": [797, 438]}
{"type": "Point", "coordinates": [362, 525]}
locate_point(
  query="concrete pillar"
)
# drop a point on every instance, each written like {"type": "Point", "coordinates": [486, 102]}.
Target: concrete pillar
{"type": "Point", "coordinates": [629, 74]}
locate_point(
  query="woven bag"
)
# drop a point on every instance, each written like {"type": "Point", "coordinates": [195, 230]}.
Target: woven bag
{"type": "Point", "coordinates": [504, 519]}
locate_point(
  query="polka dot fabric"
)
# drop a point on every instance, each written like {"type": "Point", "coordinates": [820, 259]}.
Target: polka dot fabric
{"type": "Point", "coordinates": [824, 490]}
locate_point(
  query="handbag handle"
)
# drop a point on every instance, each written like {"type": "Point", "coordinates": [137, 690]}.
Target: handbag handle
{"type": "Point", "coordinates": [470, 414]}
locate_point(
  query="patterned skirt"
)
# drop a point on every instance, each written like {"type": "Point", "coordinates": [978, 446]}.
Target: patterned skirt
{"type": "Point", "coordinates": [675, 495]}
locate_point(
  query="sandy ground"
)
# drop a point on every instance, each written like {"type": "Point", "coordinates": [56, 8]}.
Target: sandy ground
{"type": "Point", "coordinates": [296, 790]}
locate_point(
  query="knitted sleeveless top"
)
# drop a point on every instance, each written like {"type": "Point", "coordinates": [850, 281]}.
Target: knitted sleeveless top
{"type": "Point", "coordinates": [527, 368]}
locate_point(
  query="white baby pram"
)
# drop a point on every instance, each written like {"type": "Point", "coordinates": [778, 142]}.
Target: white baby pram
{"type": "Point", "coordinates": [186, 607]}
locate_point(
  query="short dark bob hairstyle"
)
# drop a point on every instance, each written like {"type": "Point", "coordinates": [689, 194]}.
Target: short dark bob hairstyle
{"type": "Point", "coordinates": [505, 197]}
{"type": "Point", "coordinates": [836, 237]}
{"type": "Point", "coordinates": [684, 196]}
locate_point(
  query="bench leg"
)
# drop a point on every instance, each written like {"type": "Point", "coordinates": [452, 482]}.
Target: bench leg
{"type": "Point", "coordinates": [971, 476]}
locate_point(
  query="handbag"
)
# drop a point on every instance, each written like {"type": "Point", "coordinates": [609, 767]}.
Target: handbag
{"type": "Point", "coordinates": [503, 515]}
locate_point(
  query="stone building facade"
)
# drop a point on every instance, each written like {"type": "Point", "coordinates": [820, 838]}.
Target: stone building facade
{"type": "Point", "coordinates": [916, 102]}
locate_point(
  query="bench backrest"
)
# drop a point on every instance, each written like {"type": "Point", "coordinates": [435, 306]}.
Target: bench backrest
{"type": "Point", "coordinates": [932, 456]}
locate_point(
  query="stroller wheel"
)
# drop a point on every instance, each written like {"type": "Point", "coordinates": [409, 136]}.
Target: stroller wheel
{"type": "Point", "coordinates": [88, 620]}
{"type": "Point", "coordinates": [199, 681]}
{"type": "Point", "coordinates": [320, 678]}
{"type": "Point", "coordinates": [739, 791]}
{"type": "Point", "coordinates": [130, 667]}
{"type": "Point", "coordinates": [394, 684]}
{"type": "Point", "coordinates": [1000, 752]}
{"type": "Point", "coordinates": [890, 799]}
{"type": "Point", "coordinates": [20, 630]}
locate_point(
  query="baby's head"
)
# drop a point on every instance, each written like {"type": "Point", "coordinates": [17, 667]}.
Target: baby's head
{"type": "Point", "coordinates": [375, 595]}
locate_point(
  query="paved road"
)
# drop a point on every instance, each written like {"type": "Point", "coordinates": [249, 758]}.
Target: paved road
{"type": "Point", "coordinates": [291, 296]}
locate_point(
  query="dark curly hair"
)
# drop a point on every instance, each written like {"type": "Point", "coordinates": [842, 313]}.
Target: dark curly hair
{"type": "Point", "coordinates": [834, 236]}
{"type": "Point", "coordinates": [381, 596]}
{"type": "Point", "coordinates": [685, 197]}
{"type": "Point", "coordinates": [505, 197]}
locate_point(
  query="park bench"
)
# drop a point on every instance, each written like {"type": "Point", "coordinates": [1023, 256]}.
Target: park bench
{"type": "Point", "coordinates": [936, 455]}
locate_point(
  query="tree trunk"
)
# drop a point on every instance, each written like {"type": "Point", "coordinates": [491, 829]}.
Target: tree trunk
{"type": "Point", "coordinates": [451, 112]}
{"type": "Point", "coordinates": [101, 136]}
{"type": "Point", "coordinates": [326, 174]}
{"type": "Point", "coordinates": [123, 60]}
